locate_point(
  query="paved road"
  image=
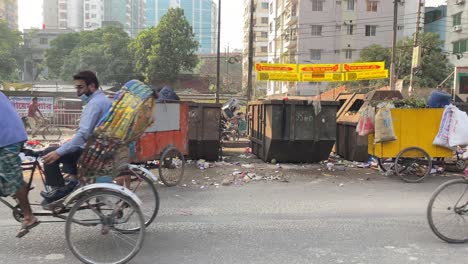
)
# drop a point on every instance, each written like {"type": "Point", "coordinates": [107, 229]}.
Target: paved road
{"type": "Point", "coordinates": [318, 218]}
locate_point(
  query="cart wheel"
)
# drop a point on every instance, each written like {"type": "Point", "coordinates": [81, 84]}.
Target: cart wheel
{"type": "Point", "coordinates": [17, 214]}
{"type": "Point", "coordinates": [386, 164]}
{"type": "Point", "coordinates": [413, 164]}
{"type": "Point", "coordinates": [171, 166]}
{"type": "Point", "coordinates": [97, 227]}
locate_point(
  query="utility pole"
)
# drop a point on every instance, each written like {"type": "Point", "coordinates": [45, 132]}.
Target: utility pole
{"type": "Point", "coordinates": [395, 29]}
{"type": "Point", "coordinates": [415, 45]}
{"type": "Point", "coordinates": [251, 39]}
{"type": "Point", "coordinates": [218, 56]}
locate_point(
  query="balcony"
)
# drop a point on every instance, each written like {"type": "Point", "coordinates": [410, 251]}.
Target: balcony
{"type": "Point", "coordinates": [290, 16]}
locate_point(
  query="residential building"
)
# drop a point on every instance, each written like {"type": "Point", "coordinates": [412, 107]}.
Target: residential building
{"type": "Point", "coordinates": [36, 43]}
{"type": "Point", "coordinates": [9, 13]}
{"type": "Point", "coordinates": [92, 14]}
{"type": "Point", "coordinates": [457, 38]}
{"type": "Point", "coordinates": [201, 14]}
{"type": "Point", "coordinates": [435, 20]}
{"type": "Point", "coordinates": [260, 29]}
{"type": "Point", "coordinates": [319, 31]}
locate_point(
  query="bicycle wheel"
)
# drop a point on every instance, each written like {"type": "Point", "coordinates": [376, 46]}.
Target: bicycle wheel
{"type": "Point", "coordinates": [171, 167]}
{"type": "Point", "coordinates": [413, 164]}
{"type": "Point", "coordinates": [447, 211]}
{"type": "Point", "coordinates": [92, 229]}
{"type": "Point", "coordinates": [145, 189]}
{"type": "Point", "coordinates": [386, 164]}
{"type": "Point", "coordinates": [51, 132]}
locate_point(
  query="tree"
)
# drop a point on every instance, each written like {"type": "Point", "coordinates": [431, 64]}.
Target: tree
{"type": "Point", "coordinates": [9, 52]}
{"type": "Point", "coordinates": [230, 73]}
{"type": "Point", "coordinates": [60, 48]}
{"type": "Point", "coordinates": [104, 51]}
{"type": "Point", "coordinates": [435, 67]}
{"type": "Point", "coordinates": [163, 52]}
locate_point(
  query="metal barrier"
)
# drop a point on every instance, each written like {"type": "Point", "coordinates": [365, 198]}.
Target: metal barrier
{"type": "Point", "coordinates": [66, 118]}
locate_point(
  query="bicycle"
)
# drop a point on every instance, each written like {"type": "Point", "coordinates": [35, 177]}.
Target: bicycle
{"type": "Point", "coordinates": [450, 202]}
{"type": "Point", "coordinates": [94, 214]}
{"type": "Point", "coordinates": [45, 128]}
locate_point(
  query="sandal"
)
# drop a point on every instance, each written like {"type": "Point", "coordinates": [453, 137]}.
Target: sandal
{"type": "Point", "coordinates": [26, 228]}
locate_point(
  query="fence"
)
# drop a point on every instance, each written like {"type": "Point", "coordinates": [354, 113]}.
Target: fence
{"type": "Point", "coordinates": [61, 117]}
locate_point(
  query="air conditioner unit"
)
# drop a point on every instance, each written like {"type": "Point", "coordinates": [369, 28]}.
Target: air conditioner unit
{"type": "Point", "coordinates": [456, 28]}
{"type": "Point", "coordinates": [459, 2]}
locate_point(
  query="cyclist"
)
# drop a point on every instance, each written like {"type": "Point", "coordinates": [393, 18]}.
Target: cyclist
{"type": "Point", "coordinates": [33, 119]}
{"type": "Point", "coordinates": [97, 105]}
{"type": "Point", "coordinates": [12, 137]}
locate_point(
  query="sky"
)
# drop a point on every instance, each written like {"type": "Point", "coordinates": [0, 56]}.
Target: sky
{"type": "Point", "coordinates": [232, 12]}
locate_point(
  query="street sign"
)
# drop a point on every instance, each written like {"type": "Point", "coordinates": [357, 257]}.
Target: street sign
{"type": "Point", "coordinates": [416, 61]}
{"type": "Point", "coordinates": [322, 77]}
{"type": "Point", "coordinates": [269, 67]}
{"type": "Point", "coordinates": [366, 75]}
{"type": "Point", "coordinates": [363, 66]}
{"type": "Point", "coordinates": [319, 68]}
{"type": "Point", "coordinates": [278, 76]}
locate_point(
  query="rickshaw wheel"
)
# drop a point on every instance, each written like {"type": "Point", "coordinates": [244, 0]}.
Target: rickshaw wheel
{"type": "Point", "coordinates": [171, 166]}
{"type": "Point", "coordinates": [461, 165]}
{"type": "Point", "coordinates": [413, 164]}
{"type": "Point", "coordinates": [17, 214]}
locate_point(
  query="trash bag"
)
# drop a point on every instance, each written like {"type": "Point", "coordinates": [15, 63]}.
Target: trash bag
{"type": "Point", "coordinates": [317, 106]}
{"type": "Point", "coordinates": [442, 138]}
{"type": "Point", "coordinates": [458, 135]}
{"type": "Point", "coordinates": [384, 125]}
{"type": "Point", "coordinates": [365, 124]}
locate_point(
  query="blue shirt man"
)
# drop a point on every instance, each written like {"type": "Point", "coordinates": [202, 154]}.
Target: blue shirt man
{"type": "Point", "coordinates": [97, 105]}
{"type": "Point", "coordinates": [12, 130]}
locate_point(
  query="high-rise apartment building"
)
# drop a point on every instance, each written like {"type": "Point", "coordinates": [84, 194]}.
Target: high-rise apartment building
{"type": "Point", "coordinates": [260, 29]}
{"type": "Point", "coordinates": [91, 14]}
{"type": "Point", "coordinates": [201, 14]}
{"type": "Point", "coordinates": [325, 31]}
{"type": "Point", "coordinates": [456, 32]}
{"type": "Point", "coordinates": [9, 13]}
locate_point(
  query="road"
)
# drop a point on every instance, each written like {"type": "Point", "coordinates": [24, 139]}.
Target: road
{"type": "Point", "coordinates": [355, 216]}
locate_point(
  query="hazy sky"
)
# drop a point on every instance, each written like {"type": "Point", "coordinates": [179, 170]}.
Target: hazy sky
{"type": "Point", "coordinates": [30, 15]}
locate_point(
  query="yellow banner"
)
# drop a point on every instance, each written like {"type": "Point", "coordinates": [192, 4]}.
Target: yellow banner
{"type": "Point", "coordinates": [319, 68]}
{"type": "Point", "coordinates": [278, 76]}
{"type": "Point", "coordinates": [364, 66]}
{"type": "Point", "coordinates": [322, 77]}
{"type": "Point", "coordinates": [366, 75]}
{"type": "Point", "coordinates": [270, 67]}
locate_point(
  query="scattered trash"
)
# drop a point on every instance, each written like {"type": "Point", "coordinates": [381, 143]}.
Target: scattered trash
{"type": "Point", "coordinates": [184, 185]}
{"type": "Point", "coordinates": [246, 179]}
{"type": "Point", "coordinates": [248, 150]}
{"type": "Point", "coordinates": [247, 166]}
{"type": "Point", "coordinates": [341, 184]}
{"type": "Point", "coordinates": [340, 167]}
{"type": "Point", "coordinates": [273, 161]}
{"type": "Point", "coordinates": [228, 180]}
{"type": "Point", "coordinates": [243, 156]}
{"type": "Point", "coordinates": [202, 187]}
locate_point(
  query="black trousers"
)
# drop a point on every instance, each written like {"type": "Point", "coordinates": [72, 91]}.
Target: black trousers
{"type": "Point", "coordinates": [52, 171]}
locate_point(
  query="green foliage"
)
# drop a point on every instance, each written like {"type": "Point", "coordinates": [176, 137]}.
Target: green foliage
{"type": "Point", "coordinates": [435, 67]}
{"type": "Point", "coordinates": [10, 55]}
{"type": "Point", "coordinates": [104, 51]}
{"type": "Point", "coordinates": [162, 53]}
{"type": "Point", "coordinates": [230, 74]}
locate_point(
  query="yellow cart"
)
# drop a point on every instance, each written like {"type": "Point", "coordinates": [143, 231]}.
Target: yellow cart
{"type": "Point", "coordinates": [412, 155]}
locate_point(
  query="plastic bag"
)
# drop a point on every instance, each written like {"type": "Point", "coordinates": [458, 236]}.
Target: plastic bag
{"type": "Point", "coordinates": [365, 124]}
{"type": "Point", "coordinates": [442, 138]}
{"type": "Point", "coordinates": [458, 135]}
{"type": "Point", "coordinates": [384, 125]}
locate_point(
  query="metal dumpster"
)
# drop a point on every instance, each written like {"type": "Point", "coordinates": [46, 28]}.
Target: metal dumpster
{"type": "Point", "coordinates": [203, 132]}
{"type": "Point", "coordinates": [349, 144]}
{"type": "Point", "coordinates": [289, 130]}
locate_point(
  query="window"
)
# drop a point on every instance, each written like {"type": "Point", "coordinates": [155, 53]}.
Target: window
{"type": "Point", "coordinates": [93, 6]}
{"type": "Point", "coordinates": [457, 19]}
{"type": "Point", "coordinates": [317, 5]}
{"type": "Point", "coordinates": [350, 4]}
{"type": "Point", "coordinates": [370, 30]}
{"type": "Point", "coordinates": [264, 49]}
{"type": "Point", "coordinates": [264, 20]}
{"type": "Point", "coordinates": [63, 15]}
{"type": "Point", "coordinates": [315, 54]}
{"type": "Point", "coordinates": [43, 41]}
{"type": "Point", "coordinates": [93, 15]}
{"type": "Point", "coordinates": [87, 7]}
{"type": "Point", "coordinates": [349, 54]}
{"type": "Point", "coordinates": [271, 8]}
{"type": "Point", "coordinates": [264, 34]}
{"type": "Point", "coordinates": [316, 30]}
{"type": "Point", "coordinates": [63, 24]}
{"type": "Point", "coordinates": [270, 46]}
{"type": "Point", "coordinates": [271, 26]}
{"type": "Point", "coordinates": [372, 6]}
{"type": "Point", "coordinates": [400, 27]}
{"type": "Point", "coordinates": [87, 16]}
{"type": "Point", "coordinates": [264, 5]}
{"type": "Point", "coordinates": [63, 6]}
{"type": "Point", "coordinates": [349, 29]}
{"type": "Point", "coordinates": [460, 46]}
{"type": "Point", "coordinates": [338, 27]}
{"type": "Point", "coordinates": [337, 52]}
{"type": "Point", "coordinates": [338, 3]}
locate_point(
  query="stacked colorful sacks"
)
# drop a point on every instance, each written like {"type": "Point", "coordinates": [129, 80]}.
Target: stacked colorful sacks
{"type": "Point", "coordinates": [130, 115]}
